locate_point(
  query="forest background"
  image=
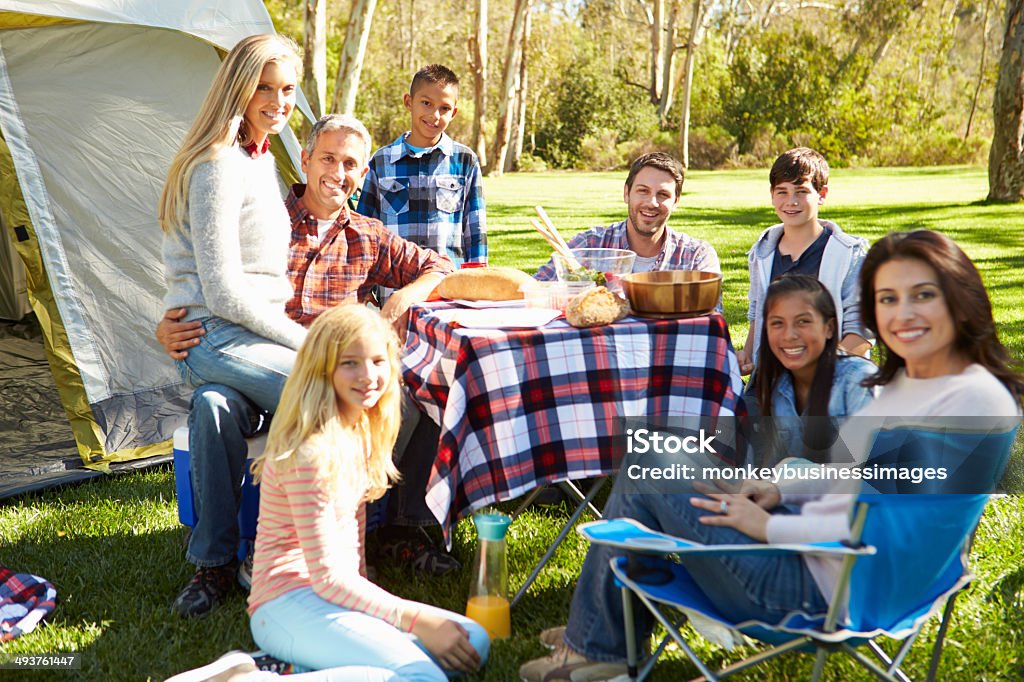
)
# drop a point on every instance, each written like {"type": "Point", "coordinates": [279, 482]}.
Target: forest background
{"type": "Point", "coordinates": [590, 84]}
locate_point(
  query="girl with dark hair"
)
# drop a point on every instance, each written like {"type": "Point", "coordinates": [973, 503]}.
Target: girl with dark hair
{"type": "Point", "coordinates": [802, 381]}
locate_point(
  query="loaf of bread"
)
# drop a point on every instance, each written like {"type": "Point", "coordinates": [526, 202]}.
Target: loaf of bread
{"type": "Point", "coordinates": [595, 307]}
{"type": "Point", "coordinates": [484, 284]}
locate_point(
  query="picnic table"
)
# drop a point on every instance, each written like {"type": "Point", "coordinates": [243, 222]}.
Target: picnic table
{"type": "Point", "coordinates": [522, 408]}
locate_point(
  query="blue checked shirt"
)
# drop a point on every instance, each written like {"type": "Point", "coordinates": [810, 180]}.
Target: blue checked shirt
{"type": "Point", "coordinates": [434, 199]}
{"type": "Point", "coordinates": [681, 251]}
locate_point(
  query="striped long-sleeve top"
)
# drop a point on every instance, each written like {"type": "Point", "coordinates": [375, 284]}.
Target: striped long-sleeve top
{"type": "Point", "coordinates": [309, 537]}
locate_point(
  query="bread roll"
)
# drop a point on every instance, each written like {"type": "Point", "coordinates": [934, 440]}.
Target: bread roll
{"type": "Point", "coordinates": [484, 284]}
{"type": "Point", "coordinates": [595, 307]}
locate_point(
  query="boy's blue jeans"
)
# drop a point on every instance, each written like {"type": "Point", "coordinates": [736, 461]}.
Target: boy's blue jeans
{"type": "Point", "coordinates": [741, 586]}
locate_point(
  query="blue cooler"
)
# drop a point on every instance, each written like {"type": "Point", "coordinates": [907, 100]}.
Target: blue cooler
{"type": "Point", "coordinates": [249, 508]}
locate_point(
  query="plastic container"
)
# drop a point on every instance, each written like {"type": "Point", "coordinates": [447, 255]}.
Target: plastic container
{"type": "Point", "coordinates": [554, 295]}
{"type": "Point", "coordinates": [488, 593]}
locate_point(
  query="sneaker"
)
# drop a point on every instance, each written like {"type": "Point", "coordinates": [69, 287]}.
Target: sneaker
{"type": "Point", "coordinates": [244, 574]}
{"type": "Point", "coordinates": [413, 547]}
{"type": "Point", "coordinates": [561, 660]}
{"type": "Point", "coordinates": [233, 665]}
{"type": "Point", "coordinates": [207, 589]}
{"type": "Point", "coordinates": [271, 664]}
{"type": "Point", "coordinates": [565, 665]}
{"type": "Point", "coordinates": [552, 638]}
{"type": "Point", "coordinates": [600, 672]}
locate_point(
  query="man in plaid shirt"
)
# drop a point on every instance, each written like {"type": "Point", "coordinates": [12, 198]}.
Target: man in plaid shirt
{"type": "Point", "coordinates": [652, 191]}
{"type": "Point", "coordinates": [336, 256]}
{"type": "Point", "coordinates": [424, 185]}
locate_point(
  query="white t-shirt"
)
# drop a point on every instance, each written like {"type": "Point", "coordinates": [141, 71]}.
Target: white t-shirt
{"type": "Point", "coordinates": [904, 401]}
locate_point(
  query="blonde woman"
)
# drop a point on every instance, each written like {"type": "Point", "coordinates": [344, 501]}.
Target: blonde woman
{"type": "Point", "coordinates": [329, 452]}
{"type": "Point", "coordinates": [226, 230]}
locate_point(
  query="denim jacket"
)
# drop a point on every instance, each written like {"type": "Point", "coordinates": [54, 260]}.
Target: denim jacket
{"type": "Point", "coordinates": [839, 272]}
{"type": "Point", "coordinates": [847, 397]}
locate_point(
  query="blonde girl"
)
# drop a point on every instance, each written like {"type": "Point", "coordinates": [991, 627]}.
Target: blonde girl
{"type": "Point", "coordinates": [329, 452]}
{"type": "Point", "coordinates": [226, 229]}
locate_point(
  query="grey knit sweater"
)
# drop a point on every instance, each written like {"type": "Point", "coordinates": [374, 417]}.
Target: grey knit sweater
{"type": "Point", "coordinates": [231, 256]}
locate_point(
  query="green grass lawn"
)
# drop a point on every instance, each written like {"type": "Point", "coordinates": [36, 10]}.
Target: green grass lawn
{"type": "Point", "coordinates": [114, 549]}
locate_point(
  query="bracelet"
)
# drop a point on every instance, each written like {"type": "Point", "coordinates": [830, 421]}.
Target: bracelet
{"type": "Point", "coordinates": [412, 623]}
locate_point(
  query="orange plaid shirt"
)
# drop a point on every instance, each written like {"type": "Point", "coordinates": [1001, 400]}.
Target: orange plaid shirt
{"type": "Point", "coordinates": [347, 260]}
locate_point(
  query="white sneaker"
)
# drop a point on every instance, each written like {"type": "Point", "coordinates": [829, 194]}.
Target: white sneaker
{"type": "Point", "coordinates": [233, 665]}
{"type": "Point", "coordinates": [599, 672]}
{"type": "Point", "coordinates": [552, 638]}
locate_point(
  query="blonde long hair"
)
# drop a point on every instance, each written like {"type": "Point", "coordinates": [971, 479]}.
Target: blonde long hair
{"type": "Point", "coordinates": [220, 122]}
{"type": "Point", "coordinates": [308, 410]}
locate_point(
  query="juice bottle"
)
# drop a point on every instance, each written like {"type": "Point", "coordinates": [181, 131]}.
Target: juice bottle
{"type": "Point", "coordinates": [488, 593]}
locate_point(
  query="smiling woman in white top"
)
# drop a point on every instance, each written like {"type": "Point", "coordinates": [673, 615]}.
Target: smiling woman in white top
{"type": "Point", "coordinates": [226, 230]}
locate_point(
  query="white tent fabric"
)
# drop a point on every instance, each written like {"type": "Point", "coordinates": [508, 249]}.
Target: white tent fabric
{"type": "Point", "coordinates": [92, 112]}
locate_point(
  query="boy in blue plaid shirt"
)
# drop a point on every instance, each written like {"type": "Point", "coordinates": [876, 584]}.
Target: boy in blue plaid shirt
{"type": "Point", "coordinates": [424, 185]}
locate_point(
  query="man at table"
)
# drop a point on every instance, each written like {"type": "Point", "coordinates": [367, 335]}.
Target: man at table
{"type": "Point", "coordinates": [652, 191]}
{"type": "Point", "coordinates": [336, 256]}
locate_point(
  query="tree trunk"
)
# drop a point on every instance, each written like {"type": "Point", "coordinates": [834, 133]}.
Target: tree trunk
{"type": "Point", "coordinates": [981, 70]}
{"type": "Point", "coordinates": [696, 34]}
{"type": "Point", "coordinates": [350, 65]}
{"type": "Point", "coordinates": [1006, 158]}
{"type": "Point", "coordinates": [506, 104]}
{"type": "Point", "coordinates": [521, 92]}
{"type": "Point", "coordinates": [478, 63]}
{"type": "Point", "coordinates": [314, 61]}
{"type": "Point", "coordinates": [657, 51]}
{"type": "Point", "coordinates": [668, 82]}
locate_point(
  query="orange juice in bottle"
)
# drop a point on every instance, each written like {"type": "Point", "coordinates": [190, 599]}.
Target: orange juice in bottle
{"type": "Point", "coordinates": [488, 594]}
{"type": "Point", "coordinates": [492, 613]}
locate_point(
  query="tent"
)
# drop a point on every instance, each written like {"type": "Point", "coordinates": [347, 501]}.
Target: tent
{"type": "Point", "coordinates": [95, 97]}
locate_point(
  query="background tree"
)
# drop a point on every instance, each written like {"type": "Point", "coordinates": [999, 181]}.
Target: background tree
{"type": "Point", "coordinates": [1006, 160]}
{"type": "Point", "coordinates": [314, 59]}
{"type": "Point", "coordinates": [350, 67]}
{"type": "Point", "coordinates": [509, 82]}
{"type": "Point", "coordinates": [478, 65]}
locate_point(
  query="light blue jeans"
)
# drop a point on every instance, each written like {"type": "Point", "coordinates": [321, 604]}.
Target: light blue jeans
{"type": "Point", "coordinates": [741, 586]}
{"type": "Point", "coordinates": [232, 355]}
{"type": "Point", "coordinates": [314, 634]}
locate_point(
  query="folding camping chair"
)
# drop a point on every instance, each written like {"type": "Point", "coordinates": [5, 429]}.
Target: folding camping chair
{"type": "Point", "coordinates": [906, 557]}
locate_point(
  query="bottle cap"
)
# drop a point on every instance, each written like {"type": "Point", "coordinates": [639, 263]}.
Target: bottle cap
{"type": "Point", "coordinates": [491, 526]}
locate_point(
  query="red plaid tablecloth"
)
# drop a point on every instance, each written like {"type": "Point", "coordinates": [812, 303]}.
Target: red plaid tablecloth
{"type": "Point", "coordinates": [522, 408]}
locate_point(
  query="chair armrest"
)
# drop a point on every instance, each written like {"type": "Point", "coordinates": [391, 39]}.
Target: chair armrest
{"type": "Point", "coordinates": [631, 535]}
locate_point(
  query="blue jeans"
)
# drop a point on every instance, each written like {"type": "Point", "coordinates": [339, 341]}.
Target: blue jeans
{"type": "Point", "coordinates": [231, 354]}
{"type": "Point", "coordinates": [219, 421]}
{"type": "Point", "coordinates": [741, 586]}
{"type": "Point", "coordinates": [315, 634]}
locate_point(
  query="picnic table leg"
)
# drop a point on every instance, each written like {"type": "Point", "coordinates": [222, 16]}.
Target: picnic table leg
{"type": "Point", "coordinates": [584, 504]}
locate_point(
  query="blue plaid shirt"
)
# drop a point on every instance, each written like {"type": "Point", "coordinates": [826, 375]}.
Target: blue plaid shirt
{"type": "Point", "coordinates": [681, 251]}
{"type": "Point", "coordinates": [434, 198]}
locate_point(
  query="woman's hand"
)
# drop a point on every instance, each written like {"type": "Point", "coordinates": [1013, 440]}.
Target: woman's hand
{"type": "Point", "coordinates": [734, 510]}
{"type": "Point", "coordinates": [764, 494]}
{"type": "Point", "coordinates": [447, 641]}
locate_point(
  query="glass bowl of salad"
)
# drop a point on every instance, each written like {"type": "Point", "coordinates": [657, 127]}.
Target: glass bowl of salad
{"type": "Point", "coordinates": [604, 267]}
